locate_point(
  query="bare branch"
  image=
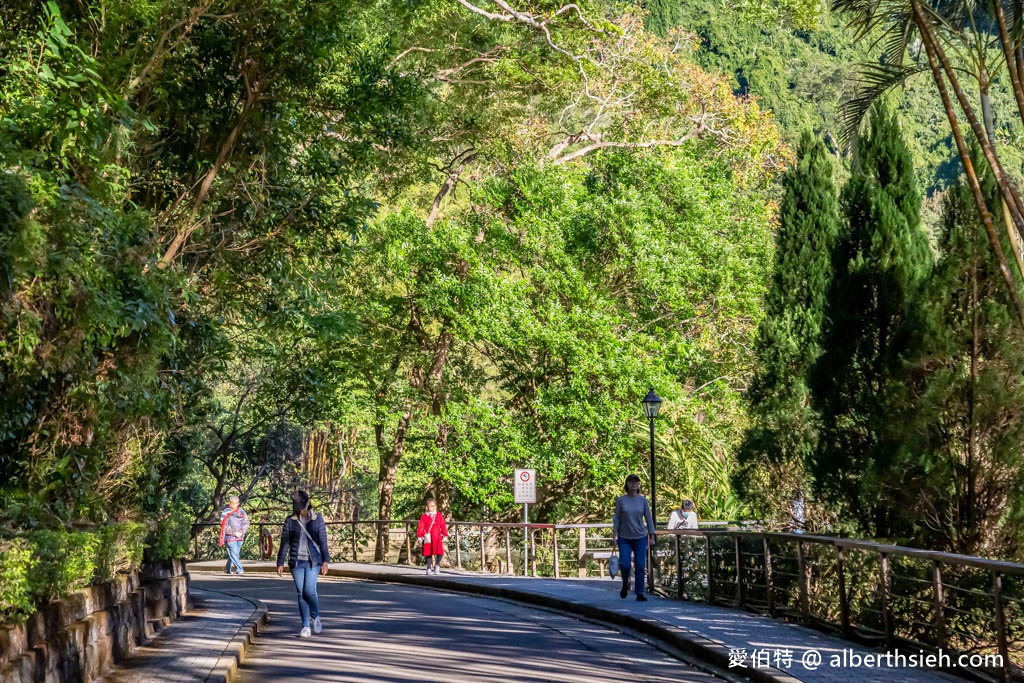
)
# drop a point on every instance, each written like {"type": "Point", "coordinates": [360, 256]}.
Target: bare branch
{"type": "Point", "coordinates": [405, 52]}
{"type": "Point", "coordinates": [625, 145]}
{"type": "Point", "coordinates": [454, 171]}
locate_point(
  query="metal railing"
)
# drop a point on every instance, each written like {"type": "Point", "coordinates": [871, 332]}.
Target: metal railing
{"type": "Point", "coordinates": [862, 590]}
{"type": "Point", "coordinates": [491, 547]}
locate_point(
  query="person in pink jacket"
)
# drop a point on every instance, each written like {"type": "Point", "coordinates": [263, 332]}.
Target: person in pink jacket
{"type": "Point", "coordinates": [433, 531]}
{"type": "Point", "coordinates": [234, 523]}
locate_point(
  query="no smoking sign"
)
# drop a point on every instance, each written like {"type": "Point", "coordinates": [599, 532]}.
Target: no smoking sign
{"type": "Point", "coordinates": [526, 486]}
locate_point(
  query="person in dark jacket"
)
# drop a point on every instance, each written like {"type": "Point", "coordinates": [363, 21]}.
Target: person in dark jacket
{"type": "Point", "coordinates": [304, 539]}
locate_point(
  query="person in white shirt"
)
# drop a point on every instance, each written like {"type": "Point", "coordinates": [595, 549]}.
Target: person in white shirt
{"type": "Point", "coordinates": [684, 517]}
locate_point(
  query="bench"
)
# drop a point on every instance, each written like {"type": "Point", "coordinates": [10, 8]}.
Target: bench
{"type": "Point", "coordinates": [601, 556]}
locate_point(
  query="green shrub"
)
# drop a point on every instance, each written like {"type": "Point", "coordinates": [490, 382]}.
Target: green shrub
{"type": "Point", "coordinates": [173, 536]}
{"type": "Point", "coordinates": [67, 562]}
{"type": "Point", "coordinates": [119, 549]}
{"type": "Point", "coordinates": [16, 564]}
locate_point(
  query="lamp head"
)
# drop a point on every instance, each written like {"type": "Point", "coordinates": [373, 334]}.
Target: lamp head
{"type": "Point", "coordinates": [652, 404]}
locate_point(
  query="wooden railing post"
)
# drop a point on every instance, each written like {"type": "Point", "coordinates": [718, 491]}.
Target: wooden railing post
{"type": "Point", "coordinates": [1004, 650]}
{"type": "Point", "coordinates": [483, 552]}
{"type": "Point", "coordinates": [458, 549]}
{"type": "Point", "coordinates": [801, 568]}
{"type": "Point", "coordinates": [355, 545]}
{"type": "Point", "coordinates": [679, 569]}
{"type": "Point", "coordinates": [739, 571]}
{"type": "Point", "coordinates": [940, 606]}
{"type": "Point", "coordinates": [554, 534]}
{"type": "Point", "coordinates": [710, 564]}
{"type": "Point", "coordinates": [508, 551]}
{"type": "Point", "coordinates": [408, 544]}
{"type": "Point", "coordinates": [844, 599]}
{"type": "Point", "coordinates": [533, 555]}
{"type": "Point", "coordinates": [581, 570]}
{"type": "Point", "coordinates": [887, 621]}
{"type": "Point", "coordinates": [769, 598]}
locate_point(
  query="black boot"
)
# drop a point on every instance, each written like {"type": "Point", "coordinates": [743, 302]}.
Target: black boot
{"type": "Point", "coordinates": [625, 585]}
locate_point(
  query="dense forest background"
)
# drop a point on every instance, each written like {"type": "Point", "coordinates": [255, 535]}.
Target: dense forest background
{"type": "Point", "coordinates": [387, 250]}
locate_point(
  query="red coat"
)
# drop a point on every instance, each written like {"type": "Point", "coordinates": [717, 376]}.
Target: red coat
{"type": "Point", "coordinates": [438, 530]}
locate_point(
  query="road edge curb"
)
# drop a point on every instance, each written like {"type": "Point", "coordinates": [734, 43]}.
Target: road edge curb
{"type": "Point", "coordinates": [226, 668]}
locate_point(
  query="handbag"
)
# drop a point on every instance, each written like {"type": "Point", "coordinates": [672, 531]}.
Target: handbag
{"type": "Point", "coordinates": [425, 538]}
{"type": "Point", "coordinates": [613, 564]}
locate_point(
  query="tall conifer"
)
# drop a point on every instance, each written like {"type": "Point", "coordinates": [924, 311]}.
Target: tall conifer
{"type": "Point", "coordinates": [964, 412]}
{"type": "Point", "coordinates": [784, 430]}
{"type": "Point", "coordinates": [880, 261]}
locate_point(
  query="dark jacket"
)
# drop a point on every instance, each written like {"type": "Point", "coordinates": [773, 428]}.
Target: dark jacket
{"type": "Point", "coordinates": [292, 532]}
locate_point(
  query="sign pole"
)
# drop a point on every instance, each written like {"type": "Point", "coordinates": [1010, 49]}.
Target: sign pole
{"type": "Point", "coordinates": [526, 540]}
{"type": "Point", "coordinates": [525, 492]}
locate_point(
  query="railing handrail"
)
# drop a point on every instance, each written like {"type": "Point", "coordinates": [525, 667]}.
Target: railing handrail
{"type": "Point", "coordinates": [709, 528]}
{"type": "Point", "coordinates": [1004, 566]}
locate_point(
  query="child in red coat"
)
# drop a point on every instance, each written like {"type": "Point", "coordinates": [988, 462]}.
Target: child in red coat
{"type": "Point", "coordinates": [433, 531]}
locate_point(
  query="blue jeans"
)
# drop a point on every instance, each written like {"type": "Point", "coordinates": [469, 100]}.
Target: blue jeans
{"type": "Point", "coordinates": [304, 575]}
{"type": "Point", "coordinates": [633, 551]}
{"type": "Point", "coordinates": [234, 557]}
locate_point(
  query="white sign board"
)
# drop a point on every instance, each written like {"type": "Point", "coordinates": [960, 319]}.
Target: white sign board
{"type": "Point", "coordinates": [526, 486]}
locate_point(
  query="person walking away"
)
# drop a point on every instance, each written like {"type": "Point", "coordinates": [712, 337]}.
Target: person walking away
{"type": "Point", "coordinates": [234, 524]}
{"type": "Point", "coordinates": [304, 540]}
{"type": "Point", "coordinates": [632, 528]}
{"type": "Point", "coordinates": [684, 517]}
{"type": "Point", "coordinates": [797, 520]}
{"type": "Point", "coordinates": [266, 539]}
{"type": "Point", "coordinates": [433, 531]}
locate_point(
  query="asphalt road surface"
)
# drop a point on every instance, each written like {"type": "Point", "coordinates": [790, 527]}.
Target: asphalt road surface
{"type": "Point", "coordinates": [395, 633]}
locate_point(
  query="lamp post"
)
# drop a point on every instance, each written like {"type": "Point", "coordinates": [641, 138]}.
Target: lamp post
{"type": "Point", "coordinates": [652, 404]}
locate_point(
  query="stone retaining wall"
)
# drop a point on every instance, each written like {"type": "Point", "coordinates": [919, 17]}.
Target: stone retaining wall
{"type": "Point", "coordinates": [80, 637]}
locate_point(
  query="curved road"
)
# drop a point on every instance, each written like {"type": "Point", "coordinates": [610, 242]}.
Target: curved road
{"type": "Point", "coordinates": [394, 633]}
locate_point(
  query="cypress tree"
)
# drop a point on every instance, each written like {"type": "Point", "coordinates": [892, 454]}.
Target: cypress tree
{"type": "Point", "coordinates": [964, 411]}
{"type": "Point", "coordinates": [880, 262]}
{"type": "Point", "coordinates": [784, 426]}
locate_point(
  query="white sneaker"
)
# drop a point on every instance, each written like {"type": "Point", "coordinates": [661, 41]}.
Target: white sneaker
{"type": "Point", "coordinates": [304, 633]}
{"type": "Point", "coordinates": [429, 571]}
{"type": "Point", "coordinates": [317, 626]}
{"type": "Point", "coordinates": [437, 571]}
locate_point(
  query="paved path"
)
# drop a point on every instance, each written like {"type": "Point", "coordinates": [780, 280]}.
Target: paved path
{"type": "Point", "coordinates": [380, 632]}
{"type": "Point", "coordinates": [195, 648]}
{"type": "Point", "coordinates": [377, 629]}
{"type": "Point", "coordinates": [721, 635]}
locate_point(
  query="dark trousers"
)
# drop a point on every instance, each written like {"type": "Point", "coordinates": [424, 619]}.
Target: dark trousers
{"type": "Point", "coordinates": [633, 553]}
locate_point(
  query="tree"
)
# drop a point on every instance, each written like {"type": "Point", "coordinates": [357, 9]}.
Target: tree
{"type": "Point", "coordinates": [961, 411]}
{"type": "Point", "coordinates": [880, 261]}
{"type": "Point", "coordinates": [985, 39]}
{"type": "Point", "coordinates": [784, 430]}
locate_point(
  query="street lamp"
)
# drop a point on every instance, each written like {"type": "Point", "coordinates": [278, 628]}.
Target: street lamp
{"type": "Point", "coordinates": [652, 404]}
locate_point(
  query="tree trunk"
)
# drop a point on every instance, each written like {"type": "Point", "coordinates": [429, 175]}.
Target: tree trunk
{"type": "Point", "coordinates": [935, 50]}
{"type": "Point", "coordinates": [972, 398]}
{"type": "Point", "coordinates": [386, 478]}
{"type": "Point", "coordinates": [1012, 55]}
{"type": "Point", "coordinates": [965, 159]}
